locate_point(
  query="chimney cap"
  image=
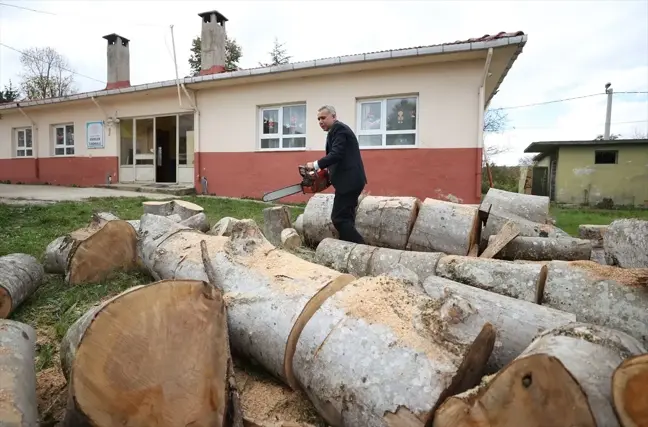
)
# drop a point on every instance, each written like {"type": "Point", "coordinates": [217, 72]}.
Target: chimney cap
{"type": "Point", "coordinates": [219, 16]}
{"type": "Point", "coordinates": [112, 38]}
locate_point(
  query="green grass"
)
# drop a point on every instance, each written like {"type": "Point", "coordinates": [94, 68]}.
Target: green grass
{"type": "Point", "coordinates": [570, 218]}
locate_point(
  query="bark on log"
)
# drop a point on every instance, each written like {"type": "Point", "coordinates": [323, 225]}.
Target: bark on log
{"type": "Point", "coordinates": [443, 227]}
{"type": "Point", "coordinates": [299, 224]}
{"type": "Point", "coordinates": [333, 334]}
{"type": "Point", "coordinates": [18, 403]}
{"type": "Point", "coordinates": [94, 253]}
{"type": "Point", "coordinates": [496, 221]}
{"type": "Point", "coordinates": [387, 221]}
{"type": "Point", "coordinates": [180, 207]}
{"type": "Point", "coordinates": [290, 239]}
{"type": "Point", "coordinates": [223, 227]}
{"type": "Point", "coordinates": [198, 222]}
{"type": "Point", "coordinates": [630, 391]}
{"type": "Point", "coordinates": [497, 242]}
{"type": "Point", "coordinates": [516, 322]}
{"type": "Point", "coordinates": [317, 219]}
{"type": "Point", "coordinates": [592, 232]}
{"type": "Point", "coordinates": [20, 276]}
{"type": "Point", "coordinates": [545, 249]}
{"type": "Point", "coordinates": [275, 220]}
{"type": "Point", "coordinates": [626, 243]}
{"type": "Point", "coordinates": [121, 358]}
{"type": "Point", "coordinates": [527, 206]}
{"type": "Point", "coordinates": [603, 295]}
{"type": "Point", "coordinates": [512, 279]}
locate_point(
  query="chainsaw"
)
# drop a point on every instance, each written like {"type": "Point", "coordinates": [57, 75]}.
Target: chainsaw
{"type": "Point", "coordinates": [312, 182]}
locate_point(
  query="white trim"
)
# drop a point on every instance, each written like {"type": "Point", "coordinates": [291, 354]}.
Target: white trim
{"type": "Point", "coordinates": [279, 135]}
{"type": "Point", "coordinates": [17, 148]}
{"type": "Point", "coordinates": [382, 131]}
{"type": "Point", "coordinates": [64, 146]}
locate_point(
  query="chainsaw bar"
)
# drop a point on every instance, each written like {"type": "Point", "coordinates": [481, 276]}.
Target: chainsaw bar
{"type": "Point", "coordinates": [281, 193]}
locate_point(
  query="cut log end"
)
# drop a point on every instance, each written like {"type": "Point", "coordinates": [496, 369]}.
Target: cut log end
{"type": "Point", "coordinates": [20, 276]}
{"type": "Point", "coordinates": [166, 208]}
{"type": "Point", "coordinates": [126, 364]}
{"type": "Point", "coordinates": [534, 391]}
{"type": "Point", "coordinates": [290, 239]}
{"type": "Point", "coordinates": [275, 220]}
{"type": "Point", "coordinates": [630, 391]}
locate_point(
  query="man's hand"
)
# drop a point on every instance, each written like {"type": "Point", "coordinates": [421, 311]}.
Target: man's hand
{"type": "Point", "coordinates": [310, 165]}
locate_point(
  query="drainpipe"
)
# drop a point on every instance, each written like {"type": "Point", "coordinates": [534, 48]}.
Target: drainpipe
{"type": "Point", "coordinates": [480, 122]}
{"type": "Point", "coordinates": [34, 129]}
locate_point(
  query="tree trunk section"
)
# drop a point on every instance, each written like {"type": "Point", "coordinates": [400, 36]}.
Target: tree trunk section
{"type": "Point", "coordinates": [387, 221]}
{"type": "Point", "coordinates": [545, 249]}
{"type": "Point", "coordinates": [299, 224]}
{"type": "Point", "coordinates": [20, 276]}
{"type": "Point", "coordinates": [527, 206]}
{"type": "Point", "coordinates": [223, 227]}
{"type": "Point", "coordinates": [497, 242]}
{"type": "Point", "coordinates": [18, 403]}
{"type": "Point", "coordinates": [317, 219]}
{"type": "Point", "coordinates": [592, 232]}
{"type": "Point", "coordinates": [275, 220]}
{"type": "Point", "coordinates": [626, 243]}
{"type": "Point", "coordinates": [512, 279]}
{"type": "Point", "coordinates": [290, 239]}
{"type": "Point", "coordinates": [94, 253]}
{"type": "Point", "coordinates": [122, 357]}
{"type": "Point", "coordinates": [497, 219]}
{"type": "Point", "coordinates": [442, 227]}
{"type": "Point", "coordinates": [603, 295]}
{"type": "Point", "coordinates": [198, 222]}
{"type": "Point", "coordinates": [630, 391]}
{"type": "Point", "coordinates": [333, 333]}
{"type": "Point", "coordinates": [180, 207]}
{"type": "Point", "coordinates": [516, 322]}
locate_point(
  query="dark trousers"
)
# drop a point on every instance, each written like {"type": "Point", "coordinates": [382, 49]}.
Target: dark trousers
{"type": "Point", "coordinates": [343, 216]}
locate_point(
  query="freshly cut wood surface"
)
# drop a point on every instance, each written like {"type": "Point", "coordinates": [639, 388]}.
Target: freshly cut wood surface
{"type": "Point", "coordinates": [18, 404]}
{"type": "Point", "coordinates": [165, 208]}
{"type": "Point", "coordinates": [630, 391]}
{"type": "Point", "coordinates": [497, 219]}
{"type": "Point", "coordinates": [122, 359]}
{"type": "Point", "coordinates": [545, 249]}
{"type": "Point", "coordinates": [386, 221]}
{"type": "Point", "coordinates": [20, 276]}
{"type": "Point", "coordinates": [496, 243]}
{"type": "Point", "coordinates": [290, 239]}
{"type": "Point", "coordinates": [527, 206]}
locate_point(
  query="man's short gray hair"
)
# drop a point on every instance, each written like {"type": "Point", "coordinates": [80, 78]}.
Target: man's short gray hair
{"type": "Point", "coordinates": [329, 108]}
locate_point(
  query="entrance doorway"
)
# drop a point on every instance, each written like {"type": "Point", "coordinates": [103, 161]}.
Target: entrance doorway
{"type": "Point", "coordinates": [165, 149]}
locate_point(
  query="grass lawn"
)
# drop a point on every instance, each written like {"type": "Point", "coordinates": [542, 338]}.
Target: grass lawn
{"type": "Point", "coordinates": [570, 218]}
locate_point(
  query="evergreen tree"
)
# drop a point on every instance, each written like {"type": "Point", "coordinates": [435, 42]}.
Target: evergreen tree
{"type": "Point", "coordinates": [233, 53]}
{"type": "Point", "coordinates": [9, 94]}
{"type": "Point", "coordinates": [278, 55]}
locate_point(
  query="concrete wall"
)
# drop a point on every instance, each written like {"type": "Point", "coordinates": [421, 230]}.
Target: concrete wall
{"type": "Point", "coordinates": [579, 180]}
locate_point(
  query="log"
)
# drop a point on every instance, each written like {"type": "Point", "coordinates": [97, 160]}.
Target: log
{"type": "Point", "coordinates": [121, 358]}
{"type": "Point", "coordinates": [275, 220]}
{"type": "Point", "coordinates": [93, 253]}
{"type": "Point", "coordinates": [387, 221]}
{"type": "Point", "coordinates": [516, 322]}
{"type": "Point", "coordinates": [400, 272]}
{"type": "Point", "coordinates": [290, 239]}
{"type": "Point", "coordinates": [579, 394]}
{"type": "Point", "coordinates": [527, 206]}
{"type": "Point", "coordinates": [603, 295]}
{"type": "Point", "coordinates": [497, 242]}
{"type": "Point", "coordinates": [223, 227]}
{"type": "Point", "coordinates": [496, 221]}
{"type": "Point", "coordinates": [517, 280]}
{"type": "Point", "coordinates": [198, 222]}
{"type": "Point", "coordinates": [299, 224]}
{"type": "Point", "coordinates": [443, 227]}
{"type": "Point", "coordinates": [592, 232]}
{"type": "Point", "coordinates": [165, 208]}
{"type": "Point", "coordinates": [317, 219]}
{"type": "Point", "coordinates": [333, 335]}
{"type": "Point", "coordinates": [630, 391]}
{"type": "Point", "coordinates": [626, 243]}
{"type": "Point", "coordinates": [545, 249]}
{"type": "Point", "coordinates": [18, 402]}
{"type": "Point", "coordinates": [20, 276]}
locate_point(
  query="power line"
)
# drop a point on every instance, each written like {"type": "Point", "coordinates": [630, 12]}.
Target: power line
{"type": "Point", "coordinates": [565, 99]}
{"type": "Point", "coordinates": [512, 128]}
{"type": "Point", "coordinates": [41, 60]}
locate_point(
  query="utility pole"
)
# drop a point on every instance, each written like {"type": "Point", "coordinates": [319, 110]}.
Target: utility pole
{"type": "Point", "coordinates": [608, 112]}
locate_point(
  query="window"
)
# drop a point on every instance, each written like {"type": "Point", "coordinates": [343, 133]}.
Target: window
{"type": "Point", "coordinates": [283, 127]}
{"type": "Point", "coordinates": [24, 147]}
{"type": "Point", "coordinates": [387, 122]}
{"type": "Point", "coordinates": [608, 157]}
{"type": "Point", "coordinates": [64, 140]}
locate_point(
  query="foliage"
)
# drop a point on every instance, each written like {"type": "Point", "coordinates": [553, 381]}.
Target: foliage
{"type": "Point", "coordinates": [233, 53]}
{"type": "Point", "coordinates": [45, 74]}
{"type": "Point", "coordinates": [10, 93]}
{"type": "Point", "coordinates": [278, 55]}
{"type": "Point", "coordinates": [504, 178]}
{"type": "Point", "coordinates": [613, 136]}
{"type": "Point", "coordinates": [495, 121]}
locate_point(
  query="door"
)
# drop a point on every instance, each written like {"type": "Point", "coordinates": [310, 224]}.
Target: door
{"type": "Point", "coordinates": [165, 150]}
{"type": "Point", "coordinates": [539, 186]}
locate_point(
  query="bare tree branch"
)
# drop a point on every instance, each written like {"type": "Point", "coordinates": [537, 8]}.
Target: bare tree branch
{"type": "Point", "coordinates": [526, 160]}
{"type": "Point", "coordinates": [45, 74]}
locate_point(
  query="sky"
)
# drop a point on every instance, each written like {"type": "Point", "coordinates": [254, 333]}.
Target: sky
{"type": "Point", "coordinates": [574, 48]}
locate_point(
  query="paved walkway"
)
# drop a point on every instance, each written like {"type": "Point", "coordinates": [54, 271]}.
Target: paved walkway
{"type": "Point", "coordinates": [44, 194]}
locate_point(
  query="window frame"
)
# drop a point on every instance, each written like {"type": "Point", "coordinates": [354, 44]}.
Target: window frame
{"type": "Point", "coordinates": [279, 135]}
{"type": "Point", "coordinates": [383, 123]}
{"type": "Point", "coordinates": [26, 149]}
{"type": "Point", "coordinates": [616, 156]}
{"type": "Point", "coordinates": [64, 145]}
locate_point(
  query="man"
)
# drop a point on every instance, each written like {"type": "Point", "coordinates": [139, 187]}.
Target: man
{"type": "Point", "coordinates": [346, 172]}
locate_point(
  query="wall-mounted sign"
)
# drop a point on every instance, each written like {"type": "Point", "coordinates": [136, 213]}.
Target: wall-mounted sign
{"type": "Point", "coordinates": [95, 135]}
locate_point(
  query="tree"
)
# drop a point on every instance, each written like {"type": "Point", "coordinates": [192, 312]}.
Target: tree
{"type": "Point", "coordinates": [10, 93]}
{"type": "Point", "coordinates": [278, 55]}
{"type": "Point", "coordinates": [233, 53]}
{"type": "Point", "coordinates": [46, 74]}
{"type": "Point", "coordinates": [612, 137]}
{"type": "Point", "coordinates": [495, 121]}
{"type": "Point", "coordinates": [526, 160]}
{"type": "Point", "coordinates": [639, 135]}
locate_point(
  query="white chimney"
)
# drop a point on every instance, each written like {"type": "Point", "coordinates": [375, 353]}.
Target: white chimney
{"type": "Point", "coordinates": [212, 43]}
{"type": "Point", "coordinates": [118, 62]}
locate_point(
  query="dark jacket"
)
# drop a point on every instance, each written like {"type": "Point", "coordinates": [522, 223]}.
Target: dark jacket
{"type": "Point", "coordinates": [343, 159]}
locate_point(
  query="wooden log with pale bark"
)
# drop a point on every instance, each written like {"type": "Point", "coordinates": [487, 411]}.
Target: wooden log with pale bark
{"type": "Point", "coordinates": [562, 378]}
{"type": "Point", "coordinates": [290, 239]}
{"type": "Point", "coordinates": [299, 224]}
{"type": "Point", "coordinates": [497, 220]}
{"type": "Point", "coordinates": [93, 253]}
{"type": "Point", "coordinates": [386, 221]}
{"type": "Point", "coordinates": [545, 249]}
{"type": "Point", "coordinates": [275, 220]}
{"type": "Point", "coordinates": [333, 334]}
{"type": "Point", "coordinates": [223, 226]}
{"type": "Point", "coordinates": [126, 360]}
{"type": "Point", "coordinates": [18, 402]}
{"type": "Point", "coordinates": [527, 206]}
{"type": "Point", "coordinates": [630, 391]}
{"type": "Point", "coordinates": [20, 276]}
{"type": "Point", "coordinates": [316, 221]}
{"type": "Point", "coordinates": [165, 208]}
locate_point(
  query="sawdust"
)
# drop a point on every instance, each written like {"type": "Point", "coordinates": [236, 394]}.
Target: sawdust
{"type": "Point", "coordinates": [624, 276]}
{"type": "Point", "coordinates": [51, 393]}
